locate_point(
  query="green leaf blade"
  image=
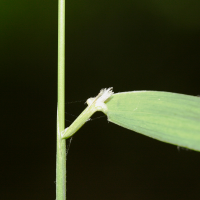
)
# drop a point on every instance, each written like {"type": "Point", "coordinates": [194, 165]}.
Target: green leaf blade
{"type": "Point", "coordinates": [168, 117]}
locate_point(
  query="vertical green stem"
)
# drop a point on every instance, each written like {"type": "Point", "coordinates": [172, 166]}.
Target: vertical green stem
{"type": "Point", "coordinates": [61, 143]}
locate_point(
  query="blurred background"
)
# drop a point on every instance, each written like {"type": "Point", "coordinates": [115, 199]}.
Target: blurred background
{"type": "Point", "coordinates": [127, 45]}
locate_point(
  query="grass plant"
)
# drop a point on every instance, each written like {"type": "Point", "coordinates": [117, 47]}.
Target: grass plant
{"type": "Point", "coordinates": [168, 117]}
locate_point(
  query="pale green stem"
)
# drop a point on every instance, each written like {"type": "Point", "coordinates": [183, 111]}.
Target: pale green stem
{"type": "Point", "coordinates": [80, 121]}
{"type": "Point", "coordinates": [61, 143]}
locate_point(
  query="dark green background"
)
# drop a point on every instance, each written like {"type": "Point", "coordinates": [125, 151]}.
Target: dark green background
{"type": "Point", "coordinates": [127, 45]}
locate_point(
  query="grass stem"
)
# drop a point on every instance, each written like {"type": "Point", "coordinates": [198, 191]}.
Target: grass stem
{"type": "Point", "coordinates": [61, 143]}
